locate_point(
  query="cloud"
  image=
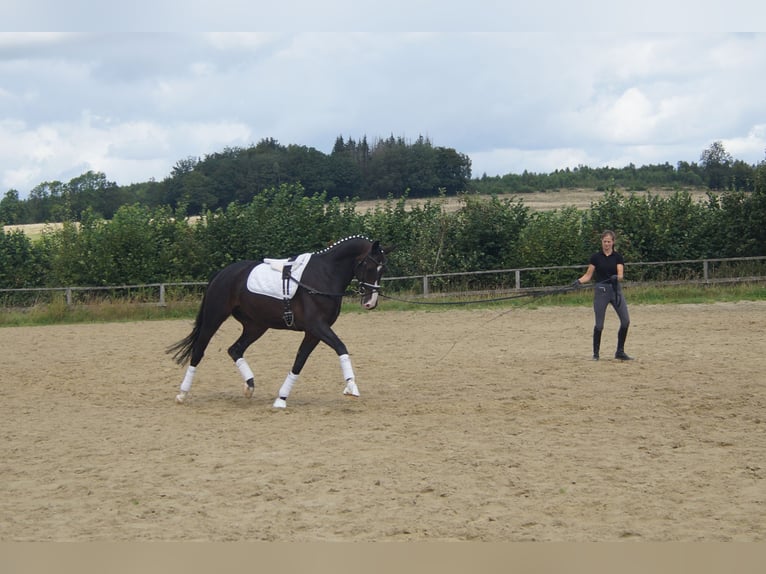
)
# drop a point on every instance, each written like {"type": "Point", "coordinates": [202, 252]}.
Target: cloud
{"type": "Point", "coordinates": [751, 145]}
{"type": "Point", "coordinates": [133, 104]}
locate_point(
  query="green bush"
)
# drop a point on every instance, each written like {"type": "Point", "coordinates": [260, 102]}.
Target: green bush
{"type": "Point", "coordinates": [141, 244]}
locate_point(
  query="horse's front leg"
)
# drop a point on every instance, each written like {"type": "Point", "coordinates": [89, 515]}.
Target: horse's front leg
{"type": "Point", "coordinates": [328, 336]}
{"type": "Point", "coordinates": [351, 389]}
{"type": "Point", "coordinates": [308, 345]}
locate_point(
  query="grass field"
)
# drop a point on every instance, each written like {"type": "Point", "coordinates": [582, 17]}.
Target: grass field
{"type": "Point", "coordinates": [541, 201]}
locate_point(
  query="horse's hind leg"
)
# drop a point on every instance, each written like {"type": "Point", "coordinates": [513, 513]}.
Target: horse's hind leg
{"type": "Point", "coordinates": [209, 322]}
{"type": "Point", "coordinates": [237, 350]}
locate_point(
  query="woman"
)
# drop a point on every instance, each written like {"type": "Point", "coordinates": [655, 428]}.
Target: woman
{"type": "Point", "coordinates": [609, 267]}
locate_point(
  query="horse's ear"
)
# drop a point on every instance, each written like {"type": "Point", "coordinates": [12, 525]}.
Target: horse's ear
{"type": "Point", "coordinates": [376, 248]}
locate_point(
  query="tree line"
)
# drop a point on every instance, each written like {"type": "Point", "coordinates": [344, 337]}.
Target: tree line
{"type": "Point", "coordinates": [142, 244]}
{"type": "Point", "coordinates": [717, 170]}
{"type": "Point", "coordinates": [237, 175]}
{"type": "Point", "coordinates": [353, 170]}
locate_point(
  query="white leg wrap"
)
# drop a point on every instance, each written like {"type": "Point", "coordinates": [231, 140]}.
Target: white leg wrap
{"type": "Point", "coordinates": [186, 384]}
{"type": "Point", "coordinates": [348, 375]}
{"type": "Point", "coordinates": [188, 379]}
{"type": "Point", "coordinates": [287, 386]}
{"type": "Point", "coordinates": [244, 369]}
{"type": "Point", "coordinates": [351, 389]}
{"type": "Point", "coordinates": [345, 365]}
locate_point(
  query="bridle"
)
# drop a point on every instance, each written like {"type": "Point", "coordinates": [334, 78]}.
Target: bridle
{"type": "Point", "coordinates": [361, 269]}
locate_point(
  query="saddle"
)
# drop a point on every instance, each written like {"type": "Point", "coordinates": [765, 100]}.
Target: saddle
{"type": "Point", "coordinates": [278, 278]}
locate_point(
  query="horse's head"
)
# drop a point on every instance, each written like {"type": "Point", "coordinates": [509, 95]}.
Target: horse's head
{"type": "Point", "coordinates": [368, 272]}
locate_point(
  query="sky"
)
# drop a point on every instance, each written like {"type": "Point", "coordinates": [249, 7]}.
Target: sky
{"type": "Point", "coordinates": [132, 103]}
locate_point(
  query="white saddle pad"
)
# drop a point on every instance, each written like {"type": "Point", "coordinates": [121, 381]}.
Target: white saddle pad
{"type": "Point", "coordinates": [266, 277]}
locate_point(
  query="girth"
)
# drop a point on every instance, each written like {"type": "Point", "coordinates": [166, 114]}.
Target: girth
{"type": "Point", "coordinates": [287, 312]}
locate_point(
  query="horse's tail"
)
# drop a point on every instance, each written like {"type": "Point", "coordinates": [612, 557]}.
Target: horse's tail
{"type": "Point", "coordinates": [182, 350]}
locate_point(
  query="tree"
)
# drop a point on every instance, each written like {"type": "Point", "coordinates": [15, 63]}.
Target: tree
{"type": "Point", "coordinates": [44, 202]}
{"type": "Point", "coordinates": [716, 166]}
{"type": "Point", "coordinates": [742, 176]}
{"type": "Point", "coordinates": [90, 190]}
{"type": "Point", "coordinates": [453, 170]}
{"type": "Point", "coordinates": [759, 177]}
{"type": "Point", "coordinates": [11, 209]}
{"type": "Point", "coordinates": [173, 185]}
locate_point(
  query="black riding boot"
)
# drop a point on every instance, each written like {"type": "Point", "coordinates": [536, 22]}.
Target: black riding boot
{"type": "Point", "coordinates": [622, 334]}
{"type": "Point", "coordinates": [596, 342]}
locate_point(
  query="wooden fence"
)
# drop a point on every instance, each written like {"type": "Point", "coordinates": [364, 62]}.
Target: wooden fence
{"type": "Point", "coordinates": [698, 271]}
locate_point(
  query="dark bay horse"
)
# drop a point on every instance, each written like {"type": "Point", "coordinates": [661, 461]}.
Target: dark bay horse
{"type": "Point", "coordinates": [313, 307]}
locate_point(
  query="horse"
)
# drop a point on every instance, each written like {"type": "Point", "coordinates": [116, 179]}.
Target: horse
{"type": "Point", "coordinates": [310, 304]}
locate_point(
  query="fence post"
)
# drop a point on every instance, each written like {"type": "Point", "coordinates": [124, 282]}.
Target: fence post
{"type": "Point", "coordinates": [705, 270]}
{"type": "Point", "coordinates": [162, 294]}
{"type": "Point", "coordinates": [425, 285]}
{"type": "Point", "coordinates": [518, 279]}
{"type": "Point", "coordinates": [68, 296]}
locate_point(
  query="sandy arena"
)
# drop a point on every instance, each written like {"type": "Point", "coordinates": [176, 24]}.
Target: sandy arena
{"type": "Point", "coordinates": [473, 425]}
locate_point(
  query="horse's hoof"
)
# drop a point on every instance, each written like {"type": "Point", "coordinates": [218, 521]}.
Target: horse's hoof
{"type": "Point", "coordinates": [180, 398]}
{"type": "Point", "coordinates": [248, 391]}
{"type": "Point", "coordinates": [280, 404]}
{"type": "Point", "coordinates": [351, 389]}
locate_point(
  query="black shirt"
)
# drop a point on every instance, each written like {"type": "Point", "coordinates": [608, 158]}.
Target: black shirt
{"type": "Point", "coordinates": [606, 266]}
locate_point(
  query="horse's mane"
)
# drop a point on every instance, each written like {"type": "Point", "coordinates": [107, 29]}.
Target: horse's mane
{"type": "Point", "coordinates": [342, 241]}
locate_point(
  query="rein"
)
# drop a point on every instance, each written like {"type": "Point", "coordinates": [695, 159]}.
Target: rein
{"type": "Point", "coordinates": [535, 293]}
{"type": "Point", "coordinates": [313, 291]}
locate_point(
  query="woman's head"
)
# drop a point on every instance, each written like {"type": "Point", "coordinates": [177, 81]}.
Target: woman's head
{"type": "Point", "coordinates": [607, 241]}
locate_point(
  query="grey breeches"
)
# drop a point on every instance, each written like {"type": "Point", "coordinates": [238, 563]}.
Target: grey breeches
{"type": "Point", "coordinates": [605, 294]}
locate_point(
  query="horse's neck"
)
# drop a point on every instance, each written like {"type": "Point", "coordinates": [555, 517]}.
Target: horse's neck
{"type": "Point", "coordinates": [349, 249]}
{"type": "Point", "coordinates": [344, 256]}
